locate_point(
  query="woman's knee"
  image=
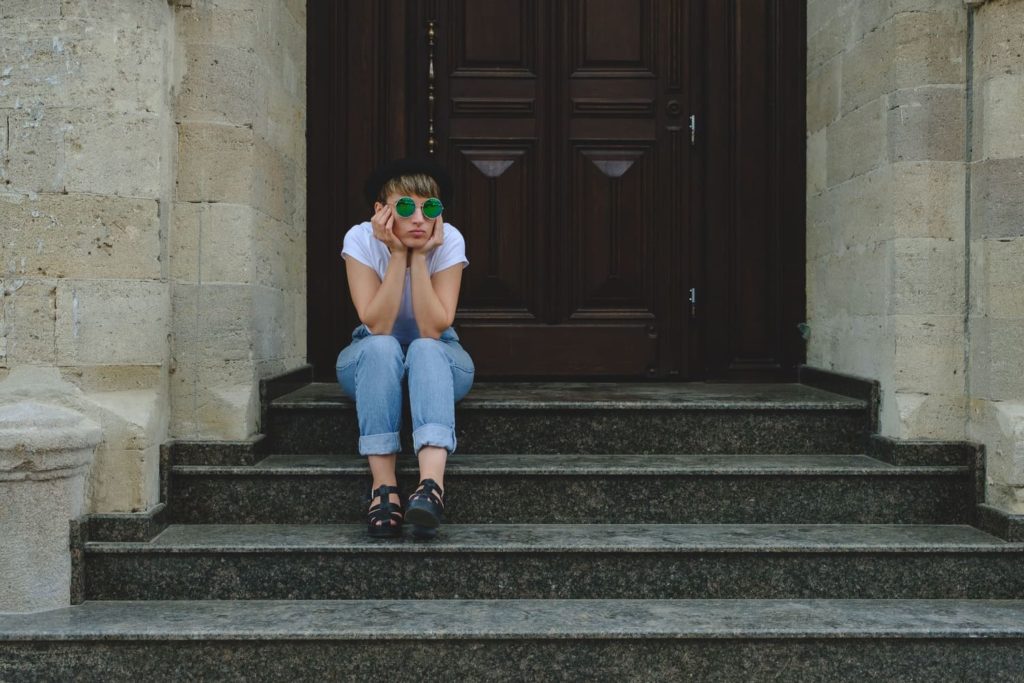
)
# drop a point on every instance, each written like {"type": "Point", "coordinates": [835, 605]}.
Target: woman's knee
{"type": "Point", "coordinates": [379, 347]}
{"type": "Point", "coordinates": [425, 347]}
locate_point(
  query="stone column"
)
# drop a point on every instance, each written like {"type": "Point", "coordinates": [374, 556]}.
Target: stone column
{"type": "Point", "coordinates": [45, 455]}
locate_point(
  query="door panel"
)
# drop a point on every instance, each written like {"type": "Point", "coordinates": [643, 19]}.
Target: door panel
{"type": "Point", "coordinates": [589, 211]}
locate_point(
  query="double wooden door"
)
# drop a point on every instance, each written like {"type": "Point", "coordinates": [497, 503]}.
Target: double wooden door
{"type": "Point", "coordinates": [590, 154]}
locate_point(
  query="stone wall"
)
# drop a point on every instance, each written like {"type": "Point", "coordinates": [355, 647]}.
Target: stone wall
{"type": "Point", "coordinates": [86, 181]}
{"type": "Point", "coordinates": [885, 208]}
{"type": "Point", "coordinates": [996, 230]}
{"type": "Point", "coordinates": [152, 218]}
{"type": "Point", "coordinates": [238, 245]}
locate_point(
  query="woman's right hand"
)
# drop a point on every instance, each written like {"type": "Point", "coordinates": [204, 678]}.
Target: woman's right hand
{"type": "Point", "coordinates": [383, 222]}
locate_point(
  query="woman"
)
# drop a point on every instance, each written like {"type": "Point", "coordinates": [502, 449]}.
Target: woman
{"type": "Point", "coordinates": [404, 270]}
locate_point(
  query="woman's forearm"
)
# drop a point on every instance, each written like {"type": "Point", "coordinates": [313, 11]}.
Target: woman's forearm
{"type": "Point", "coordinates": [380, 315]}
{"type": "Point", "coordinates": [431, 317]}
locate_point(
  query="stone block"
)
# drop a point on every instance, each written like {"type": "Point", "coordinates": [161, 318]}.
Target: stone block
{"type": "Point", "coordinates": [104, 322]}
{"type": "Point", "coordinates": [867, 71]}
{"type": "Point", "coordinates": [113, 153]}
{"type": "Point", "coordinates": [102, 378]}
{"type": "Point", "coordinates": [820, 12]}
{"type": "Point", "coordinates": [273, 182]}
{"type": "Point", "coordinates": [213, 23]}
{"type": "Point", "coordinates": [34, 64]}
{"type": "Point", "coordinates": [34, 160]}
{"type": "Point", "coordinates": [28, 323]}
{"type": "Point", "coordinates": [928, 354]}
{"type": "Point", "coordinates": [930, 47]}
{"type": "Point", "coordinates": [222, 82]}
{"type": "Point", "coordinates": [859, 280]}
{"type": "Point", "coordinates": [998, 39]}
{"type": "Point", "coordinates": [927, 123]}
{"type": "Point", "coordinates": [857, 142]}
{"type": "Point", "coordinates": [213, 243]}
{"type": "Point", "coordinates": [1002, 424]}
{"type": "Point", "coordinates": [212, 323]}
{"type": "Point", "coordinates": [114, 65]}
{"type": "Point", "coordinates": [999, 127]}
{"type": "Point", "coordinates": [910, 415]}
{"type": "Point", "coordinates": [284, 124]}
{"type": "Point", "coordinates": [928, 276]}
{"type": "Point", "coordinates": [145, 15]}
{"type": "Point", "coordinates": [823, 86]}
{"type": "Point", "coordinates": [214, 400]}
{"type": "Point", "coordinates": [997, 203]}
{"type": "Point", "coordinates": [923, 199]}
{"type": "Point", "coordinates": [1003, 285]}
{"type": "Point", "coordinates": [832, 39]}
{"type": "Point", "coordinates": [997, 356]}
{"type": "Point", "coordinates": [272, 323]}
{"type": "Point", "coordinates": [215, 163]}
{"type": "Point", "coordinates": [20, 10]}
{"type": "Point", "coordinates": [279, 254]}
{"type": "Point", "coordinates": [80, 236]}
{"type": "Point", "coordinates": [124, 480]}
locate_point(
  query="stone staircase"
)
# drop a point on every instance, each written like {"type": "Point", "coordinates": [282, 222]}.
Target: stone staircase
{"type": "Point", "coordinates": [595, 532]}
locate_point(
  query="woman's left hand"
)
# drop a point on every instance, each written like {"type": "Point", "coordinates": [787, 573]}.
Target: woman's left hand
{"type": "Point", "coordinates": [436, 237]}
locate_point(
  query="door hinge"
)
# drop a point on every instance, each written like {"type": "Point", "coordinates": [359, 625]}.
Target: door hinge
{"type": "Point", "coordinates": [693, 303]}
{"type": "Point", "coordinates": [693, 130]}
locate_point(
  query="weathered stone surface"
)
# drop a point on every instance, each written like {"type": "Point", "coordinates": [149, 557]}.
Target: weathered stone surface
{"type": "Point", "coordinates": [1000, 278]}
{"type": "Point", "coordinates": [925, 416]}
{"type": "Point", "coordinates": [857, 142]}
{"type": "Point", "coordinates": [833, 37]}
{"type": "Point", "coordinates": [997, 356]}
{"type": "Point", "coordinates": [45, 451]}
{"type": "Point", "coordinates": [817, 163]}
{"type": "Point", "coordinates": [997, 204]}
{"type": "Point", "coordinates": [930, 47]}
{"type": "Point", "coordinates": [999, 127]}
{"type": "Point", "coordinates": [56, 235]}
{"type": "Point", "coordinates": [213, 243]}
{"type": "Point", "coordinates": [823, 87]}
{"type": "Point", "coordinates": [238, 72]}
{"type": "Point", "coordinates": [928, 276]}
{"type": "Point", "coordinates": [28, 329]}
{"type": "Point", "coordinates": [929, 354]}
{"type": "Point", "coordinates": [102, 153]}
{"type": "Point", "coordinates": [215, 163]}
{"type": "Point", "coordinates": [112, 321]}
{"type": "Point", "coordinates": [927, 123]}
{"type": "Point", "coordinates": [34, 160]}
{"type": "Point", "coordinates": [998, 39]}
{"type": "Point", "coordinates": [867, 72]}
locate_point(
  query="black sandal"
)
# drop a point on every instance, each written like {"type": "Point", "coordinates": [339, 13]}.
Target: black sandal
{"type": "Point", "coordinates": [426, 510]}
{"type": "Point", "coordinates": [384, 512]}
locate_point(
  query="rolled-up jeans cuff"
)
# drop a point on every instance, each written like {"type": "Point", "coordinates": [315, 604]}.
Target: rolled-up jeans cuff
{"type": "Point", "coordinates": [379, 444]}
{"type": "Point", "coordinates": [433, 435]}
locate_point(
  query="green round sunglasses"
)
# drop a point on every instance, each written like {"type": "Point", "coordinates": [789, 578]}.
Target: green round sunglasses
{"type": "Point", "coordinates": [406, 206]}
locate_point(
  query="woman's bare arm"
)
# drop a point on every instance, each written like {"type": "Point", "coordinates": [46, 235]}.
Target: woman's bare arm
{"type": "Point", "coordinates": [377, 302]}
{"type": "Point", "coordinates": [434, 299]}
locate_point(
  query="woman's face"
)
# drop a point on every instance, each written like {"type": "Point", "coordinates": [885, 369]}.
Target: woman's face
{"type": "Point", "coordinates": [415, 230]}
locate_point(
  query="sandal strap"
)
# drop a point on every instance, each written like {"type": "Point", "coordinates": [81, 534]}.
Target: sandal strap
{"type": "Point", "coordinates": [385, 510]}
{"type": "Point", "coordinates": [431, 491]}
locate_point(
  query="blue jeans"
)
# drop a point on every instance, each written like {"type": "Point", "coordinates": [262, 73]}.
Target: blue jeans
{"type": "Point", "coordinates": [371, 369]}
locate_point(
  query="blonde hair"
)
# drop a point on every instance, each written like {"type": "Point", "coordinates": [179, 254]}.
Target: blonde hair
{"type": "Point", "coordinates": [419, 184]}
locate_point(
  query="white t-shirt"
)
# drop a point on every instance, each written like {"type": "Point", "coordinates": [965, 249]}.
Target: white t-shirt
{"type": "Point", "coordinates": [361, 245]}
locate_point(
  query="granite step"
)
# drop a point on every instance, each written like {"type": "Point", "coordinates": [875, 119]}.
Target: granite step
{"type": "Point", "coordinates": [537, 640]}
{"type": "Point", "coordinates": [600, 418]}
{"type": "Point", "coordinates": [316, 562]}
{"type": "Point", "coordinates": [525, 488]}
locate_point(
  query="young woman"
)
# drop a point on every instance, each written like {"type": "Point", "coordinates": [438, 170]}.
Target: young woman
{"type": "Point", "coordinates": [404, 269]}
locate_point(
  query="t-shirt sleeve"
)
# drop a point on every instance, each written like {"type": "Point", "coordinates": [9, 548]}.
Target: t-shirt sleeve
{"type": "Point", "coordinates": [357, 247]}
{"type": "Point", "coordinates": [451, 251]}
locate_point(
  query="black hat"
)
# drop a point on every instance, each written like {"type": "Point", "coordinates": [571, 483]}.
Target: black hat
{"type": "Point", "coordinates": [410, 166]}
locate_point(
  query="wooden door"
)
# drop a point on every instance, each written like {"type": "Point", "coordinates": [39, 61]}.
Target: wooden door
{"type": "Point", "coordinates": [581, 190]}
